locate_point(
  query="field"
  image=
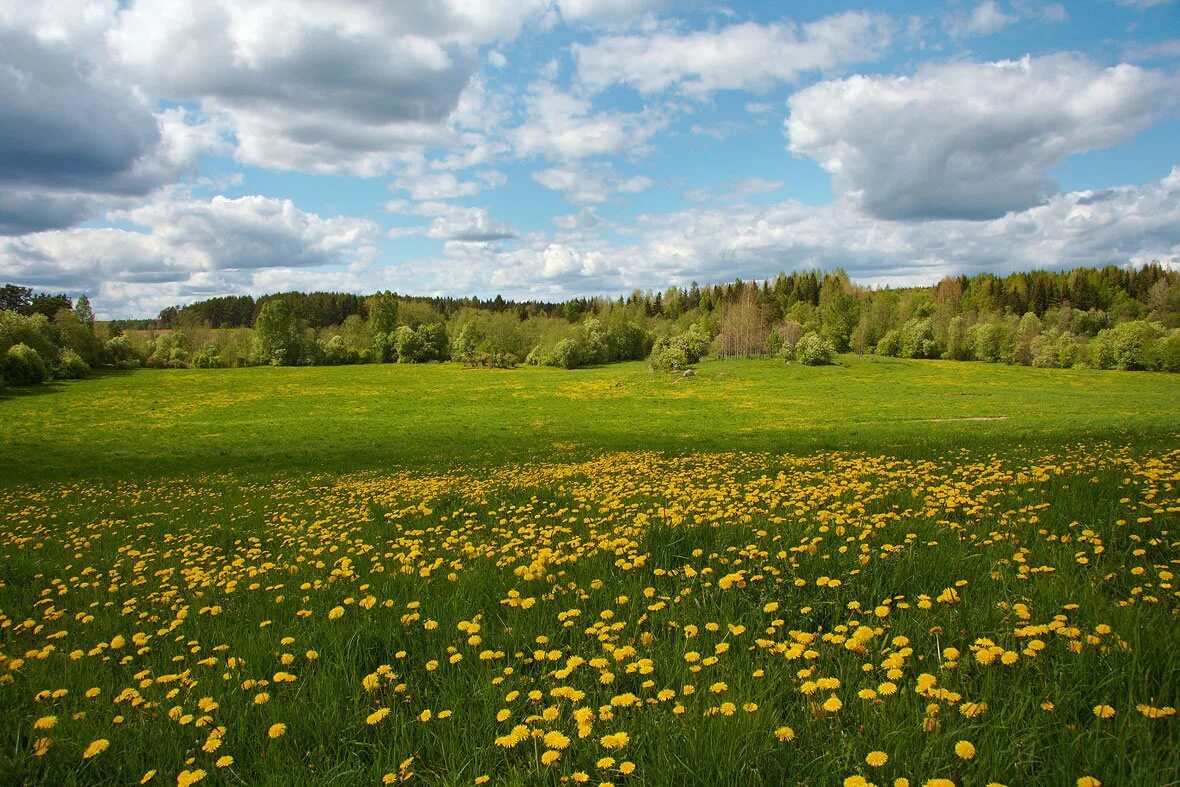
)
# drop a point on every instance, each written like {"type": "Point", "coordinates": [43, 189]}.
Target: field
{"type": "Point", "coordinates": [951, 573]}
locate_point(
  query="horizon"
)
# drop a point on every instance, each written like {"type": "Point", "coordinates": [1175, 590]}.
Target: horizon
{"type": "Point", "coordinates": [162, 154]}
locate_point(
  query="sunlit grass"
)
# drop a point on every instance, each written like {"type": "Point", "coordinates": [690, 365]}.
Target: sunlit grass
{"type": "Point", "coordinates": [636, 591]}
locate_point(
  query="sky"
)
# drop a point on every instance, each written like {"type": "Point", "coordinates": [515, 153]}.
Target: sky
{"type": "Point", "coordinates": [157, 152]}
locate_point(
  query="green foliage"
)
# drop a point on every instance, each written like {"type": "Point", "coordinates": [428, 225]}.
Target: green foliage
{"type": "Point", "coordinates": [69, 366]}
{"type": "Point", "coordinates": [278, 335]}
{"type": "Point", "coordinates": [21, 366]}
{"type": "Point", "coordinates": [813, 350]}
{"type": "Point", "coordinates": [679, 351]}
{"type": "Point", "coordinates": [1128, 346]}
{"type": "Point", "coordinates": [917, 340]}
{"type": "Point", "coordinates": [382, 312]}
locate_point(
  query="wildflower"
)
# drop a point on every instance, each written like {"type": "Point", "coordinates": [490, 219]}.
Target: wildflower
{"type": "Point", "coordinates": [376, 716]}
{"type": "Point", "coordinates": [615, 740]}
{"type": "Point", "coordinates": [1104, 711]}
{"type": "Point", "coordinates": [876, 758]}
{"type": "Point", "coordinates": [784, 734]}
{"type": "Point", "coordinates": [96, 748]}
{"type": "Point", "coordinates": [276, 730]}
{"type": "Point", "coordinates": [187, 777]}
{"type": "Point", "coordinates": [964, 750]}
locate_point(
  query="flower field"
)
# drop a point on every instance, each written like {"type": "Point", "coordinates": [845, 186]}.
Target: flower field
{"type": "Point", "coordinates": [979, 617]}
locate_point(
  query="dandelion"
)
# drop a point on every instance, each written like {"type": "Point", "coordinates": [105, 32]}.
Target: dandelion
{"type": "Point", "coordinates": [784, 734]}
{"type": "Point", "coordinates": [876, 758]}
{"type": "Point", "coordinates": [376, 716]}
{"type": "Point", "coordinates": [1104, 711]}
{"type": "Point", "coordinates": [276, 731]}
{"type": "Point", "coordinates": [964, 750]}
{"type": "Point", "coordinates": [96, 748]}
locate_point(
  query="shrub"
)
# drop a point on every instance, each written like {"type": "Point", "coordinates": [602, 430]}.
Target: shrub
{"type": "Point", "coordinates": [1168, 352]}
{"type": "Point", "coordinates": [673, 353]}
{"type": "Point", "coordinates": [70, 366]}
{"type": "Point", "coordinates": [890, 344]}
{"type": "Point", "coordinates": [986, 341]}
{"type": "Point", "coordinates": [918, 341]}
{"type": "Point", "coordinates": [121, 353]}
{"type": "Point", "coordinates": [407, 345]}
{"type": "Point", "coordinates": [1128, 346]}
{"type": "Point", "coordinates": [814, 351]}
{"type": "Point", "coordinates": [23, 366]}
{"type": "Point", "coordinates": [333, 352]}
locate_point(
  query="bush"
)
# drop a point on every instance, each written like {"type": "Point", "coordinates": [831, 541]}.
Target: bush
{"type": "Point", "coordinates": [407, 345]}
{"type": "Point", "coordinates": [673, 353]}
{"type": "Point", "coordinates": [889, 345]}
{"type": "Point", "coordinates": [334, 352]}
{"type": "Point", "coordinates": [986, 341]}
{"type": "Point", "coordinates": [1167, 352]}
{"type": "Point", "coordinates": [917, 340]}
{"type": "Point", "coordinates": [23, 366]}
{"type": "Point", "coordinates": [70, 366]}
{"type": "Point", "coordinates": [814, 351]}
{"type": "Point", "coordinates": [1128, 346]}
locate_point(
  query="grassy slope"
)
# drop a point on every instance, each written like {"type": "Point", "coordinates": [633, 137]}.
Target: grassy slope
{"type": "Point", "coordinates": [149, 423]}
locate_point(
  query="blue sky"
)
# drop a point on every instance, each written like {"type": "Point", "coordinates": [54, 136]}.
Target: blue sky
{"type": "Point", "coordinates": [157, 153]}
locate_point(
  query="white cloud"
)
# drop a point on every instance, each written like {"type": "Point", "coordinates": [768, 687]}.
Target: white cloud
{"type": "Point", "coordinates": [747, 56]}
{"type": "Point", "coordinates": [185, 241]}
{"type": "Point", "coordinates": [607, 10]}
{"type": "Point", "coordinates": [967, 140]}
{"type": "Point", "coordinates": [733, 190]}
{"type": "Point", "coordinates": [440, 185]}
{"type": "Point", "coordinates": [469, 225]}
{"type": "Point", "coordinates": [73, 140]}
{"type": "Point", "coordinates": [985, 19]}
{"type": "Point", "coordinates": [1120, 225]}
{"type": "Point", "coordinates": [349, 86]}
{"type": "Point", "coordinates": [563, 126]}
{"type": "Point", "coordinates": [581, 185]}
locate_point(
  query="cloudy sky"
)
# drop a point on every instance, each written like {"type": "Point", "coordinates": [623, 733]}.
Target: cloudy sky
{"type": "Point", "coordinates": [155, 152]}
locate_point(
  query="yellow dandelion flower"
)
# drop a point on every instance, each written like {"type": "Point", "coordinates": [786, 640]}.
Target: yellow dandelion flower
{"type": "Point", "coordinates": [964, 750]}
{"type": "Point", "coordinates": [276, 730]}
{"type": "Point", "coordinates": [876, 758]}
{"type": "Point", "coordinates": [96, 748]}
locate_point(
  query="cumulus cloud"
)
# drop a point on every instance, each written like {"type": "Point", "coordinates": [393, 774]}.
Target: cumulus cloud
{"type": "Point", "coordinates": [73, 141]}
{"type": "Point", "coordinates": [968, 140]}
{"type": "Point", "coordinates": [747, 56]}
{"type": "Point", "coordinates": [440, 185]}
{"type": "Point", "coordinates": [469, 225]}
{"type": "Point", "coordinates": [1119, 225]}
{"type": "Point", "coordinates": [341, 86]}
{"type": "Point", "coordinates": [560, 125]}
{"type": "Point", "coordinates": [184, 241]}
{"type": "Point", "coordinates": [587, 185]}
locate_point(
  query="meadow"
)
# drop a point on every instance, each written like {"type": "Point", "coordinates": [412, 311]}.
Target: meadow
{"type": "Point", "coordinates": [884, 572]}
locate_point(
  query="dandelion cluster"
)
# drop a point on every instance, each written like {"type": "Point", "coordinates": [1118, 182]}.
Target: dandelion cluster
{"type": "Point", "coordinates": [627, 619]}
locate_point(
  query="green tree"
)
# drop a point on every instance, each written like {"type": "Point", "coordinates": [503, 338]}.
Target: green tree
{"type": "Point", "coordinates": [382, 312]}
{"type": "Point", "coordinates": [278, 334]}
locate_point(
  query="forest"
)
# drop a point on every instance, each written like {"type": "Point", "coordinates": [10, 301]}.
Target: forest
{"type": "Point", "coordinates": [1105, 318]}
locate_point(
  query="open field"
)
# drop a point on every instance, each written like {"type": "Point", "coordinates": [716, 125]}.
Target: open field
{"type": "Point", "coordinates": [340, 419]}
{"type": "Point", "coordinates": [765, 574]}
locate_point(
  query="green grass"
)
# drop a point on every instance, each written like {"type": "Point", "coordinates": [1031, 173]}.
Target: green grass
{"type": "Point", "coordinates": [222, 514]}
{"type": "Point", "coordinates": [340, 419]}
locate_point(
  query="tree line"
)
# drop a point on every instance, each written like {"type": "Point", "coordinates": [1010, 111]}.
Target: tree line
{"type": "Point", "coordinates": [1111, 318]}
